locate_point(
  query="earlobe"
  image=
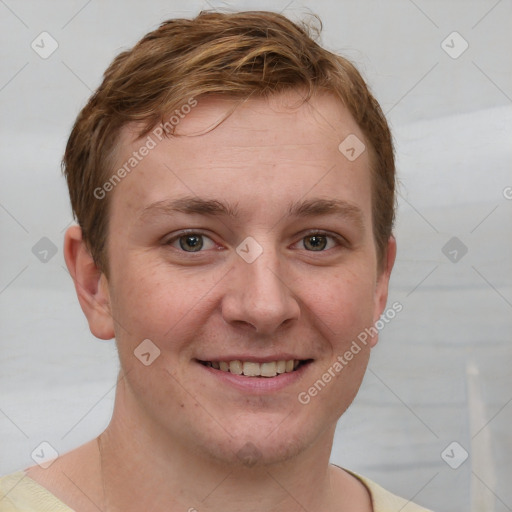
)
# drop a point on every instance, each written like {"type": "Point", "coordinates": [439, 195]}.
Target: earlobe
{"type": "Point", "coordinates": [382, 286]}
{"type": "Point", "coordinates": [90, 284]}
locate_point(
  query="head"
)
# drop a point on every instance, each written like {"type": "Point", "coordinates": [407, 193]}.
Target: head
{"type": "Point", "coordinates": [219, 219]}
{"type": "Point", "coordinates": [241, 55]}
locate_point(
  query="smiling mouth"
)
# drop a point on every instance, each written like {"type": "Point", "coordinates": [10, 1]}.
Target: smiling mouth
{"type": "Point", "coordinates": [254, 369]}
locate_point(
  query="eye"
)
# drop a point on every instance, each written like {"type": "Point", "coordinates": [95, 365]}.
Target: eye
{"type": "Point", "coordinates": [191, 242]}
{"type": "Point", "coordinates": [319, 242]}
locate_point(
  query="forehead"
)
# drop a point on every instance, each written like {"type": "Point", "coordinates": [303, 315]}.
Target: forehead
{"type": "Point", "coordinates": [261, 152]}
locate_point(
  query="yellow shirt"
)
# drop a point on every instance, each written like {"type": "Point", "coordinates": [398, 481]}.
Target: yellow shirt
{"type": "Point", "coordinates": [19, 493]}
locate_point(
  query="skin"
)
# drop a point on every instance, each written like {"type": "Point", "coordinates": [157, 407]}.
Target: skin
{"type": "Point", "coordinates": [177, 429]}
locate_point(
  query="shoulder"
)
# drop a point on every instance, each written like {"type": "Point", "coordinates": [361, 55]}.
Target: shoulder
{"type": "Point", "coordinates": [384, 501]}
{"type": "Point", "coordinates": [19, 493]}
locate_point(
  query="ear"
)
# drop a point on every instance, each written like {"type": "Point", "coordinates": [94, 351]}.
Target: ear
{"type": "Point", "coordinates": [382, 286]}
{"type": "Point", "coordinates": [91, 285]}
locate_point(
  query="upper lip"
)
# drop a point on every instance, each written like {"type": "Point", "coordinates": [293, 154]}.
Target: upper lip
{"type": "Point", "coordinates": [254, 359]}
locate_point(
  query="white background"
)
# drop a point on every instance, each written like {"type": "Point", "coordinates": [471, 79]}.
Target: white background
{"type": "Point", "coordinates": [442, 370]}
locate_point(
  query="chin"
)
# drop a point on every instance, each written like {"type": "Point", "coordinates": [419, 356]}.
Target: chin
{"type": "Point", "coordinates": [260, 444]}
{"type": "Point", "coordinates": [256, 453]}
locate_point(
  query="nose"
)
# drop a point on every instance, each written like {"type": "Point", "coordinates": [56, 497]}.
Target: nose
{"type": "Point", "coordinates": [259, 298]}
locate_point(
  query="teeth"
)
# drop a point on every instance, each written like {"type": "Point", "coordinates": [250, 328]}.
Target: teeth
{"type": "Point", "coordinates": [236, 367]}
{"type": "Point", "coordinates": [281, 366]}
{"type": "Point", "coordinates": [252, 369]}
{"type": "Point", "coordinates": [268, 369]}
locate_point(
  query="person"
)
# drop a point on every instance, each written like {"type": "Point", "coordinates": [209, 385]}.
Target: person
{"type": "Point", "coordinates": [234, 188]}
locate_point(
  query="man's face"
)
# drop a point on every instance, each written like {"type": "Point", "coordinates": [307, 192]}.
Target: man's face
{"type": "Point", "coordinates": [251, 243]}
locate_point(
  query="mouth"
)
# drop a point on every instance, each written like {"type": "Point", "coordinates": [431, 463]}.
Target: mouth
{"type": "Point", "coordinates": [267, 369]}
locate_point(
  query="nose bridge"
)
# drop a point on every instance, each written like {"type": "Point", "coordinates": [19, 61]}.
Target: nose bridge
{"type": "Point", "coordinates": [259, 295]}
{"type": "Point", "coordinates": [264, 278]}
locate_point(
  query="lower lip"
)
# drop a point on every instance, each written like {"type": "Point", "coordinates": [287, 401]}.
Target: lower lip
{"type": "Point", "coordinates": [259, 385]}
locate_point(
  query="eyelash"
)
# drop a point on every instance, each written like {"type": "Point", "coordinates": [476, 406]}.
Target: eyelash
{"type": "Point", "coordinates": [339, 240]}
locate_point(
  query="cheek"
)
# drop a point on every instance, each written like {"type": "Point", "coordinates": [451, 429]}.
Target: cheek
{"type": "Point", "coordinates": [343, 303]}
{"type": "Point", "coordinates": [348, 307]}
{"type": "Point", "coordinates": [343, 313]}
{"type": "Point", "coordinates": [151, 301]}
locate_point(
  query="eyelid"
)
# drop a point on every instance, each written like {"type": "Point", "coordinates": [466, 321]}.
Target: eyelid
{"type": "Point", "coordinates": [340, 240]}
{"type": "Point", "coordinates": [168, 240]}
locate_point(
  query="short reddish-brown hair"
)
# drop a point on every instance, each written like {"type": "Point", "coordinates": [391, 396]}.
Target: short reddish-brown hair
{"type": "Point", "coordinates": [237, 55]}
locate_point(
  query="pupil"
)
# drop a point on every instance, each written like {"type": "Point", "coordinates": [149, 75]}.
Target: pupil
{"type": "Point", "coordinates": [193, 242]}
{"type": "Point", "coordinates": [316, 242]}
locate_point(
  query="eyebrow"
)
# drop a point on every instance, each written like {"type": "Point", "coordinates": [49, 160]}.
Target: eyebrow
{"type": "Point", "coordinates": [189, 205]}
{"type": "Point", "coordinates": [318, 206]}
{"type": "Point", "coordinates": [306, 208]}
